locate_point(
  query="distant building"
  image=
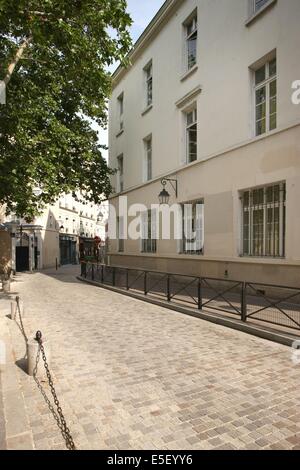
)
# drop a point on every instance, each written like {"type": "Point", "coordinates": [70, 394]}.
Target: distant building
{"type": "Point", "coordinates": [52, 239]}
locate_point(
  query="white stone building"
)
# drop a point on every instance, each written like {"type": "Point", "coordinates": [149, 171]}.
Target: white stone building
{"type": "Point", "coordinates": [52, 239]}
{"type": "Point", "coordinates": [207, 101]}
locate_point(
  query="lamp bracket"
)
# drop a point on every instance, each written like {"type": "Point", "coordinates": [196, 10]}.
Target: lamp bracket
{"type": "Point", "coordinates": [173, 183]}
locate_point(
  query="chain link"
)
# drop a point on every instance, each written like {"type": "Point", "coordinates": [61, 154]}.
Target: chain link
{"type": "Point", "coordinates": [58, 415]}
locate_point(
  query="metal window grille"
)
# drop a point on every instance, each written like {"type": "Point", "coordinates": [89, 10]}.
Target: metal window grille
{"type": "Point", "coordinates": [264, 215]}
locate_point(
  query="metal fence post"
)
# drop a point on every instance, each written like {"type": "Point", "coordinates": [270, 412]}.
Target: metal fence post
{"type": "Point", "coordinates": [85, 270]}
{"type": "Point", "coordinates": [127, 279]}
{"type": "Point", "coordinates": [168, 288]}
{"type": "Point", "coordinates": [200, 293]}
{"type": "Point", "coordinates": [145, 283]}
{"type": "Point", "coordinates": [93, 272]}
{"type": "Point", "coordinates": [102, 274]}
{"type": "Point", "coordinates": [244, 302]}
{"type": "Point", "coordinates": [114, 276]}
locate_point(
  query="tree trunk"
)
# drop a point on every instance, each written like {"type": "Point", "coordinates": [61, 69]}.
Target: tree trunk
{"type": "Point", "coordinates": [18, 56]}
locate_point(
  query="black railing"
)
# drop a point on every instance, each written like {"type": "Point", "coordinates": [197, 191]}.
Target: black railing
{"type": "Point", "coordinates": [277, 305]}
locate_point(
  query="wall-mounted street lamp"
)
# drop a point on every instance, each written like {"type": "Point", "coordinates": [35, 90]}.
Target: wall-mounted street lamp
{"type": "Point", "coordinates": [164, 196]}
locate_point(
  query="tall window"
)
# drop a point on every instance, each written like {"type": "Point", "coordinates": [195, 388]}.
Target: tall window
{"type": "Point", "coordinates": [191, 135]}
{"type": "Point", "coordinates": [264, 221]}
{"type": "Point", "coordinates": [193, 228]}
{"type": "Point", "coordinates": [121, 111]}
{"type": "Point", "coordinates": [266, 97]}
{"type": "Point", "coordinates": [120, 223]}
{"type": "Point", "coordinates": [191, 42]}
{"type": "Point", "coordinates": [148, 229]}
{"type": "Point", "coordinates": [120, 174]}
{"type": "Point", "coordinates": [258, 4]}
{"type": "Point", "coordinates": [149, 83]}
{"type": "Point", "coordinates": [148, 158]}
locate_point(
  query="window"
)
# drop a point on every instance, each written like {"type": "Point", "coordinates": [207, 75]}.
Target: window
{"type": "Point", "coordinates": [264, 221]}
{"type": "Point", "coordinates": [120, 222]}
{"type": "Point", "coordinates": [148, 229]}
{"type": "Point", "coordinates": [121, 111]}
{"type": "Point", "coordinates": [148, 158]}
{"type": "Point", "coordinates": [266, 98]}
{"type": "Point", "coordinates": [191, 42]}
{"type": "Point", "coordinates": [120, 175]}
{"type": "Point", "coordinates": [193, 228]}
{"type": "Point", "coordinates": [149, 84]}
{"type": "Point", "coordinates": [191, 135]}
{"type": "Point", "coordinates": [258, 4]}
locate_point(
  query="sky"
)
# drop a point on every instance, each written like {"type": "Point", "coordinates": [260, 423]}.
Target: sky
{"type": "Point", "coordinates": [141, 12]}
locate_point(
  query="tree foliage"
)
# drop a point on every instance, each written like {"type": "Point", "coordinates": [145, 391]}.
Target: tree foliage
{"type": "Point", "coordinates": [53, 58]}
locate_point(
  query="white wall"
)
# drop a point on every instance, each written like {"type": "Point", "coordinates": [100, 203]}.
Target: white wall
{"type": "Point", "coordinates": [226, 50]}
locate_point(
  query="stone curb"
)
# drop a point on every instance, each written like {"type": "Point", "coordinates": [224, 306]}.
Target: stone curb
{"type": "Point", "coordinates": [18, 435]}
{"type": "Point", "coordinates": [261, 332]}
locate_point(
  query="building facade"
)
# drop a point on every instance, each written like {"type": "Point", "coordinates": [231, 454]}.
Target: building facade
{"type": "Point", "coordinates": [207, 103]}
{"type": "Point", "coordinates": [54, 238]}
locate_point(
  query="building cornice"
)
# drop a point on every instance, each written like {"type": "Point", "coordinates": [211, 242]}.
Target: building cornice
{"type": "Point", "coordinates": [188, 97]}
{"type": "Point", "coordinates": [161, 17]}
{"type": "Point", "coordinates": [221, 153]}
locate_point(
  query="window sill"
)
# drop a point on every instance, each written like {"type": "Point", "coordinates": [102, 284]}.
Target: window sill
{"type": "Point", "coordinates": [120, 133]}
{"type": "Point", "coordinates": [259, 12]}
{"type": "Point", "coordinates": [146, 110]}
{"type": "Point", "coordinates": [263, 257]}
{"type": "Point", "coordinates": [189, 72]}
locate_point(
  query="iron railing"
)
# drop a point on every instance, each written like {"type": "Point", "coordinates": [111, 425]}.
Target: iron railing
{"type": "Point", "coordinates": [277, 305]}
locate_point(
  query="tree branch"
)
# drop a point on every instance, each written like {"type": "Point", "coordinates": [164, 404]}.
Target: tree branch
{"type": "Point", "coordinates": [18, 56]}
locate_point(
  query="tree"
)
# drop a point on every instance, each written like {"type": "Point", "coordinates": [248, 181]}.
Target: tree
{"type": "Point", "coordinates": [54, 56]}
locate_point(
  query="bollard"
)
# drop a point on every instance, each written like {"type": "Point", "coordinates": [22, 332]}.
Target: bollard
{"type": "Point", "coordinates": [6, 285]}
{"type": "Point", "coordinates": [32, 350]}
{"type": "Point", "coordinates": [13, 310]}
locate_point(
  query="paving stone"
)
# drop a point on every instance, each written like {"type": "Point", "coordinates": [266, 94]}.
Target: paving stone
{"type": "Point", "coordinates": [131, 375]}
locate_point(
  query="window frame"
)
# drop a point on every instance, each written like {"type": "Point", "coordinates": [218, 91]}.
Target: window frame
{"type": "Point", "coordinates": [191, 20]}
{"type": "Point", "coordinates": [266, 85]}
{"type": "Point", "coordinates": [184, 241]}
{"type": "Point", "coordinates": [149, 225]}
{"type": "Point", "coordinates": [264, 206]}
{"type": "Point", "coordinates": [188, 128]}
{"type": "Point", "coordinates": [120, 173]}
{"type": "Point", "coordinates": [148, 80]}
{"type": "Point", "coordinates": [148, 175]}
{"type": "Point", "coordinates": [120, 100]}
{"type": "Point", "coordinates": [121, 235]}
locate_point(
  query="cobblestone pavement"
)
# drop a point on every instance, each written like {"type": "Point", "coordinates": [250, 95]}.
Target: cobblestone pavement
{"type": "Point", "coordinates": [131, 375]}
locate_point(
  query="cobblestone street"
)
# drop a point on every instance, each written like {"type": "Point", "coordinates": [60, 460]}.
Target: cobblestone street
{"type": "Point", "coordinates": [131, 375]}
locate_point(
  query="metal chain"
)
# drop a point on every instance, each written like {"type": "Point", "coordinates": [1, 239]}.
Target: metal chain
{"type": "Point", "coordinates": [20, 319]}
{"type": "Point", "coordinates": [58, 415]}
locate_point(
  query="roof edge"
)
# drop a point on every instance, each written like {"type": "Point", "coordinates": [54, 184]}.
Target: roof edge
{"type": "Point", "coordinates": [163, 14]}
